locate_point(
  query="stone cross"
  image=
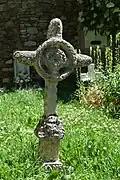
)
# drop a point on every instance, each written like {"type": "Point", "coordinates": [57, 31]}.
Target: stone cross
{"type": "Point", "coordinates": [54, 60]}
{"type": "Point", "coordinates": [91, 75]}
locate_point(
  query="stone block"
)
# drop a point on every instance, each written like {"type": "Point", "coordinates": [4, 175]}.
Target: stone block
{"type": "Point", "coordinates": [32, 1]}
{"type": "Point", "coordinates": [1, 7]}
{"type": "Point", "coordinates": [23, 31]}
{"type": "Point", "coordinates": [63, 18]}
{"type": "Point", "coordinates": [30, 43]}
{"type": "Point", "coordinates": [32, 30]}
{"type": "Point", "coordinates": [23, 37]}
{"type": "Point", "coordinates": [24, 5]}
{"type": "Point", "coordinates": [28, 25]}
{"type": "Point", "coordinates": [6, 80]}
{"type": "Point", "coordinates": [32, 37]}
{"type": "Point", "coordinates": [9, 61]}
{"type": "Point", "coordinates": [7, 69]}
{"type": "Point", "coordinates": [3, 1]}
{"type": "Point", "coordinates": [22, 26]}
{"type": "Point", "coordinates": [34, 19]}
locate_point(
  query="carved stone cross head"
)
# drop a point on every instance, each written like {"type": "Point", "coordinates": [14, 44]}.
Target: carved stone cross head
{"type": "Point", "coordinates": [56, 58]}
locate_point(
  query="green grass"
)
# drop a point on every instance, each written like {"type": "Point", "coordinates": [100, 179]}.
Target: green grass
{"type": "Point", "coordinates": [90, 149]}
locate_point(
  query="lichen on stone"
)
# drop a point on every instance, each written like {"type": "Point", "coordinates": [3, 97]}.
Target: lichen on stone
{"type": "Point", "coordinates": [49, 126]}
{"type": "Point", "coordinates": [55, 29]}
{"type": "Point", "coordinates": [25, 57]}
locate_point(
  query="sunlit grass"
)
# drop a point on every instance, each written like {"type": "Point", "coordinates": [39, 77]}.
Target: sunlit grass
{"type": "Point", "coordinates": [89, 150]}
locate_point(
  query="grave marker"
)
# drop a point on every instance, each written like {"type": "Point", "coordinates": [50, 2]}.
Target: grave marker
{"type": "Point", "coordinates": [54, 60]}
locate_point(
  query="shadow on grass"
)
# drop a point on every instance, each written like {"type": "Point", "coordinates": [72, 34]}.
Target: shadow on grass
{"type": "Point", "coordinates": [66, 88]}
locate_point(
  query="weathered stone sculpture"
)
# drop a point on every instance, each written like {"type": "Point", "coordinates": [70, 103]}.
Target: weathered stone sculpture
{"type": "Point", "coordinates": [54, 60]}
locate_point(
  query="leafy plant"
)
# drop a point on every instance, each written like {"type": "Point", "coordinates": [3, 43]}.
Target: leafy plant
{"type": "Point", "coordinates": [104, 93]}
{"type": "Point", "coordinates": [101, 16]}
{"type": "Point", "coordinates": [89, 94]}
{"type": "Point", "coordinates": [111, 89]}
{"type": "Point", "coordinates": [22, 79]}
{"type": "Point", "coordinates": [103, 56]}
{"type": "Point", "coordinates": [93, 96]}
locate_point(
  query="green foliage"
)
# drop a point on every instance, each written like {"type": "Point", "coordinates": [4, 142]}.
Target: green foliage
{"type": "Point", "coordinates": [22, 80]}
{"type": "Point", "coordinates": [103, 93]}
{"type": "Point", "coordinates": [110, 85]}
{"type": "Point", "coordinates": [111, 88]}
{"type": "Point", "coordinates": [100, 15]}
{"type": "Point", "coordinates": [103, 56]}
{"type": "Point", "coordinates": [89, 150]}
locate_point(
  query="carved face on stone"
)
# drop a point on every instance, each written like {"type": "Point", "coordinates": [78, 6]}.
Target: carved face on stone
{"type": "Point", "coordinates": [54, 61]}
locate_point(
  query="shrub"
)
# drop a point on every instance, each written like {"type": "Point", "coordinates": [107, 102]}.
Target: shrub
{"type": "Point", "coordinates": [103, 57]}
{"type": "Point", "coordinates": [22, 80]}
{"type": "Point", "coordinates": [93, 96]}
{"type": "Point", "coordinates": [105, 93]}
{"type": "Point", "coordinates": [89, 94]}
{"type": "Point", "coordinates": [111, 90]}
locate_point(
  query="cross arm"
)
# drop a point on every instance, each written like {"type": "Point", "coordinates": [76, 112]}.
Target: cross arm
{"type": "Point", "coordinates": [25, 57]}
{"type": "Point", "coordinates": [82, 60]}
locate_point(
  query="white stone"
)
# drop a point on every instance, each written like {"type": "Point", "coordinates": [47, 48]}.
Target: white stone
{"type": "Point", "coordinates": [91, 75]}
{"type": "Point", "coordinates": [91, 72]}
{"type": "Point", "coordinates": [84, 77]}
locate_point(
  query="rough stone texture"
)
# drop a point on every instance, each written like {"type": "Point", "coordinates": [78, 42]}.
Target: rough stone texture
{"type": "Point", "coordinates": [49, 150]}
{"type": "Point", "coordinates": [55, 32]}
{"type": "Point", "coordinates": [23, 25]}
{"type": "Point", "coordinates": [49, 126]}
{"type": "Point", "coordinates": [50, 98]}
{"type": "Point", "coordinates": [54, 60]}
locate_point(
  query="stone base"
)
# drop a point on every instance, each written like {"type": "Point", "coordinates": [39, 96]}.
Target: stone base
{"type": "Point", "coordinates": [49, 149]}
{"type": "Point", "coordinates": [53, 165]}
{"type": "Point", "coordinates": [49, 131]}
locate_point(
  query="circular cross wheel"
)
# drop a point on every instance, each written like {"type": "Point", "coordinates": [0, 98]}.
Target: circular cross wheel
{"type": "Point", "coordinates": [55, 58]}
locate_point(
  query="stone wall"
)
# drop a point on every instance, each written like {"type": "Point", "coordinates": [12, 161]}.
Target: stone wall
{"type": "Point", "coordinates": [23, 26]}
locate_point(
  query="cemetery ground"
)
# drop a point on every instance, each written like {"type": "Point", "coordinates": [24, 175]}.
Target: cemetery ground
{"type": "Point", "coordinates": [90, 149]}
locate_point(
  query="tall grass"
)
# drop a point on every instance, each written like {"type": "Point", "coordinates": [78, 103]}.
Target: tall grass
{"type": "Point", "coordinates": [89, 150]}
